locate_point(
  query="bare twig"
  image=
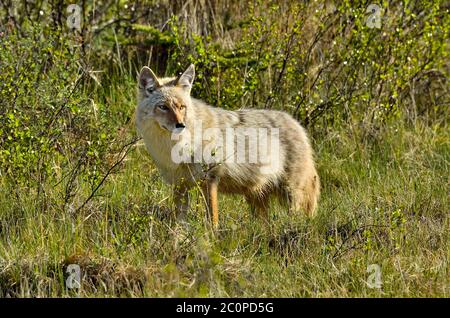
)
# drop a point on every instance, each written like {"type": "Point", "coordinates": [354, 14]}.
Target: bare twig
{"type": "Point", "coordinates": [126, 149]}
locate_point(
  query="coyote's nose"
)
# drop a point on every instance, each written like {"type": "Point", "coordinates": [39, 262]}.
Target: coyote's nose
{"type": "Point", "coordinates": [180, 125]}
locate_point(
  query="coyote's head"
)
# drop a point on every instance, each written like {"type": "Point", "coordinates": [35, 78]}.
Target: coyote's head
{"type": "Point", "coordinates": [164, 101]}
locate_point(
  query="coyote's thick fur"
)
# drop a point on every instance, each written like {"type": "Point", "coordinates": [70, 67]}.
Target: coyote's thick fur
{"type": "Point", "coordinates": [166, 109]}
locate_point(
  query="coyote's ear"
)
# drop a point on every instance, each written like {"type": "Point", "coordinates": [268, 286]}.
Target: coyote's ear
{"type": "Point", "coordinates": [148, 79]}
{"type": "Point", "coordinates": [187, 78]}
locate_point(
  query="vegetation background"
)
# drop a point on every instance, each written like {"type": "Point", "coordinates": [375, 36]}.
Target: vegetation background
{"type": "Point", "coordinates": [77, 186]}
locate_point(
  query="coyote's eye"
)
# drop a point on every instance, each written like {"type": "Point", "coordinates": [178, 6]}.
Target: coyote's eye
{"type": "Point", "coordinates": [182, 107]}
{"type": "Point", "coordinates": [163, 107]}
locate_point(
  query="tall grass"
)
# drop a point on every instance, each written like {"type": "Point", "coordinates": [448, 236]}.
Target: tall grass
{"type": "Point", "coordinates": [383, 203]}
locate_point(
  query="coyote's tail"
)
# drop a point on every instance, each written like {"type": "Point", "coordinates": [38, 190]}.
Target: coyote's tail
{"type": "Point", "coordinates": [305, 192]}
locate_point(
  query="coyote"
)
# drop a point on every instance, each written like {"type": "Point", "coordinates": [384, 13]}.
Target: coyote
{"type": "Point", "coordinates": [167, 115]}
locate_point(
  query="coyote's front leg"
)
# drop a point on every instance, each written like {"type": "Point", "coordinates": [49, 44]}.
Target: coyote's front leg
{"type": "Point", "coordinates": [210, 189]}
{"type": "Point", "coordinates": [181, 198]}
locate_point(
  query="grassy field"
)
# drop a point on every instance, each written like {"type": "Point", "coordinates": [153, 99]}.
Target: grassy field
{"type": "Point", "coordinates": [77, 187]}
{"type": "Point", "coordinates": [384, 201]}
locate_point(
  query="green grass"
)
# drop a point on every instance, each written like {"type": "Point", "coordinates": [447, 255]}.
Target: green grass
{"type": "Point", "coordinates": [384, 201]}
{"type": "Point", "coordinates": [375, 101]}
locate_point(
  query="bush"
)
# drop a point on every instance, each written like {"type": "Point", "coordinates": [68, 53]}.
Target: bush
{"type": "Point", "coordinates": [48, 124]}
